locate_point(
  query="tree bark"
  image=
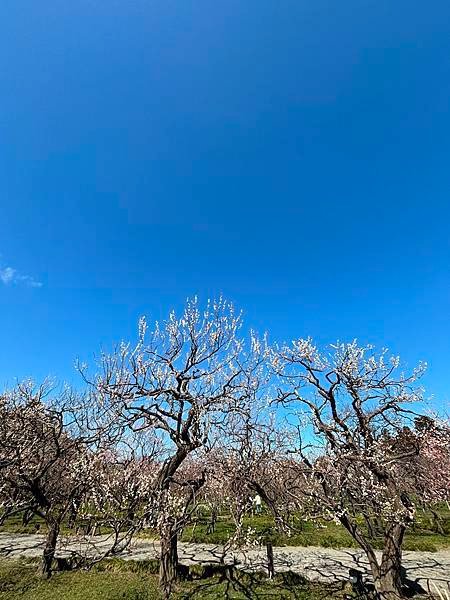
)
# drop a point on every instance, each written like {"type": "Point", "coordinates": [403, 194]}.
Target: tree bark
{"type": "Point", "coordinates": [280, 524]}
{"type": "Point", "coordinates": [49, 550]}
{"type": "Point", "coordinates": [388, 580]}
{"type": "Point", "coordinates": [387, 575]}
{"type": "Point", "coordinates": [213, 520]}
{"type": "Point", "coordinates": [26, 517]}
{"type": "Point", "coordinates": [436, 522]}
{"type": "Point", "coordinates": [370, 527]}
{"type": "Point", "coordinates": [168, 567]}
{"type": "Point", "coordinates": [5, 515]}
{"type": "Point", "coordinates": [270, 565]}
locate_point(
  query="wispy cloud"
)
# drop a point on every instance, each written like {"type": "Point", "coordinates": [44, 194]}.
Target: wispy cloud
{"type": "Point", "coordinates": [10, 276]}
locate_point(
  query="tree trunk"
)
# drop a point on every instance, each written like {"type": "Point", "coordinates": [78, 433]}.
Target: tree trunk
{"type": "Point", "coordinates": [26, 517]}
{"type": "Point", "coordinates": [387, 576]}
{"type": "Point", "coordinates": [5, 515]}
{"type": "Point", "coordinates": [388, 580]}
{"type": "Point", "coordinates": [370, 527]}
{"type": "Point", "coordinates": [168, 567]}
{"type": "Point", "coordinates": [280, 524]}
{"type": "Point", "coordinates": [378, 526]}
{"type": "Point", "coordinates": [270, 565]}
{"type": "Point", "coordinates": [49, 550]}
{"type": "Point", "coordinates": [213, 520]}
{"type": "Point", "coordinates": [437, 522]}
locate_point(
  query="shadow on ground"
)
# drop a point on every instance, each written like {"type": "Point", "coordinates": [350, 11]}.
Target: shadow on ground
{"type": "Point", "coordinates": [229, 583]}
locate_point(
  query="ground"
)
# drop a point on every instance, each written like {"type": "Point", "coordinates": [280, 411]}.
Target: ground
{"type": "Point", "coordinates": [116, 580]}
{"type": "Point", "coordinates": [422, 536]}
{"type": "Point", "coordinates": [319, 552]}
{"type": "Point", "coordinates": [328, 534]}
{"type": "Point", "coordinates": [324, 565]}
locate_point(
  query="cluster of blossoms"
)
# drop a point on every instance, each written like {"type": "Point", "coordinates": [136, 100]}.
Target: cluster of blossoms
{"type": "Point", "coordinates": [434, 462]}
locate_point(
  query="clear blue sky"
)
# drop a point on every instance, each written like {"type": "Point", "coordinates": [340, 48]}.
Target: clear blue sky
{"type": "Point", "coordinates": [293, 155]}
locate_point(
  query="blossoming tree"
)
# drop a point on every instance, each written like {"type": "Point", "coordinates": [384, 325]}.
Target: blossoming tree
{"type": "Point", "coordinates": [355, 402]}
{"type": "Point", "coordinates": [41, 458]}
{"type": "Point", "coordinates": [181, 381]}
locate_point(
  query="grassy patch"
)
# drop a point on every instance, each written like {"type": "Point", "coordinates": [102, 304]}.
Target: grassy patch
{"type": "Point", "coordinates": [306, 533]}
{"type": "Point", "coordinates": [121, 580]}
{"type": "Point", "coordinates": [14, 524]}
{"type": "Point", "coordinates": [20, 580]}
{"type": "Point", "coordinates": [286, 586]}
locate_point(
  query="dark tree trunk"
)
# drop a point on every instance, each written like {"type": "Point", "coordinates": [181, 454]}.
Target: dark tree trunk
{"type": "Point", "coordinates": [388, 580]}
{"type": "Point", "coordinates": [5, 515]}
{"type": "Point", "coordinates": [387, 575]}
{"type": "Point", "coordinates": [270, 565]}
{"type": "Point", "coordinates": [168, 567]}
{"type": "Point", "coordinates": [437, 522]}
{"type": "Point", "coordinates": [370, 527]}
{"type": "Point", "coordinates": [374, 526]}
{"type": "Point", "coordinates": [213, 520]}
{"type": "Point", "coordinates": [280, 524]}
{"type": "Point", "coordinates": [73, 514]}
{"type": "Point", "coordinates": [26, 517]}
{"type": "Point", "coordinates": [49, 550]}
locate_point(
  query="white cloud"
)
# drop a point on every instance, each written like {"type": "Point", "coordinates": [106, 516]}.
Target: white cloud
{"type": "Point", "coordinates": [10, 276]}
{"type": "Point", "coordinates": [7, 275]}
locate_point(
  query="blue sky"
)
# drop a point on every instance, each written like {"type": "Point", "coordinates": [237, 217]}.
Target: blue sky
{"type": "Point", "coordinates": [293, 156]}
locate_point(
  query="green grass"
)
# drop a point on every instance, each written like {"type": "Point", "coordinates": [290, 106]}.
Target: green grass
{"type": "Point", "coordinates": [19, 580]}
{"type": "Point", "coordinates": [119, 580]}
{"type": "Point", "coordinates": [14, 524]}
{"type": "Point", "coordinates": [325, 534]}
{"type": "Point", "coordinates": [328, 535]}
{"type": "Point", "coordinates": [287, 586]}
{"type": "Point", "coordinates": [305, 533]}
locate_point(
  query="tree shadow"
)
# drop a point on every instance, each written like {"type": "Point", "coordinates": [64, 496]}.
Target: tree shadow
{"type": "Point", "coordinates": [226, 581]}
